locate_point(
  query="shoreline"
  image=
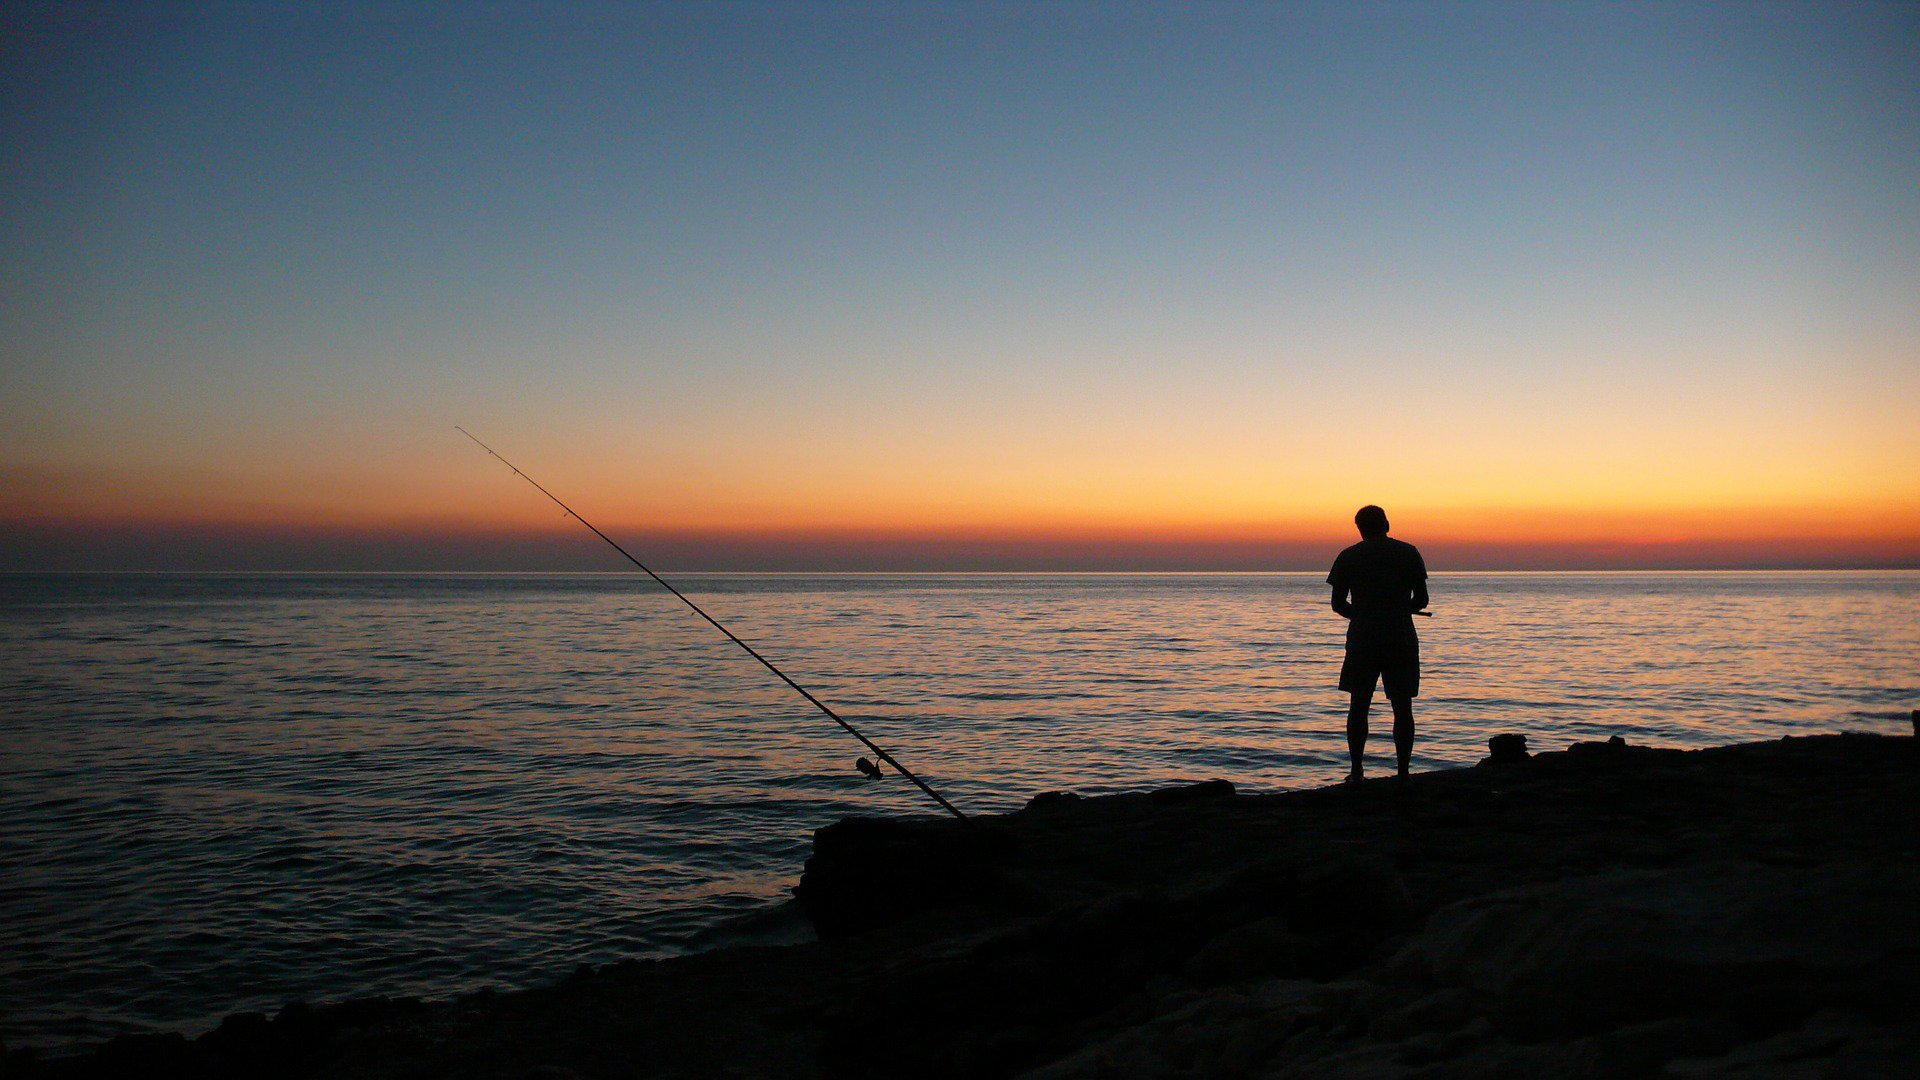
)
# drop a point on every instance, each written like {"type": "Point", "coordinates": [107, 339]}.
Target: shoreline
{"type": "Point", "coordinates": [1603, 910]}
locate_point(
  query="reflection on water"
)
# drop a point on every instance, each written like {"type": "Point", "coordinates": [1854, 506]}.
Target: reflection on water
{"type": "Point", "coordinates": [223, 792]}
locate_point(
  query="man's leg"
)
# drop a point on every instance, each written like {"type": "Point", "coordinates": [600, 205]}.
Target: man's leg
{"type": "Point", "coordinates": [1357, 730]}
{"type": "Point", "coordinates": [1402, 731]}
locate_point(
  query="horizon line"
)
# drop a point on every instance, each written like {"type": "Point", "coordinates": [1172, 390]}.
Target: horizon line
{"type": "Point", "coordinates": [235, 571]}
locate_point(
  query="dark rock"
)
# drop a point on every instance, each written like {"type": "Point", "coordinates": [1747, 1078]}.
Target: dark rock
{"type": "Point", "coordinates": [870, 872]}
{"type": "Point", "coordinates": [1052, 798]}
{"type": "Point", "coordinates": [1209, 789]}
{"type": "Point", "coordinates": [1499, 1059]}
{"type": "Point", "coordinates": [1258, 950]}
{"type": "Point", "coordinates": [248, 1044]}
{"type": "Point", "coordinates": [1446, 1009]}
{"type": "Point", "coordinates": [367, 1012]}
{"type": "Point", "coordinates": [164, 1054]}
{"type": "Point", "coordinates": [1251, 893]}
{"type": "Point", "coordinates": [1012, 996]}
{"type": "Point", "coordinates": [1740, 911]}
{"type": "Point", "coordinates": [21, 1062]}
{"type": "Point", "coordinates": [1591, 954]}
{"type": "Point", "coordinates": [1613, 747]}
{"type": "Point", "coordinates": [1505, 749]}
{"type": "Point", "coordinates": [1348, 895]}
{"type": "Point", "coordinates": [1829, 1044]}
{"type": "Point", "coordinates": [240, 1025]}
{"type": "Point", "coordinates": [1226, 1032]}
{"type": "Point", "coordinates": [1641, 1050]}
{"type": "Point", "coordinates": [1095, 933]}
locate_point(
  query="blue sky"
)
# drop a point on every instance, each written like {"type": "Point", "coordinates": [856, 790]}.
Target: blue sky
{"type": "Point", "coordinates": [1055, 263]}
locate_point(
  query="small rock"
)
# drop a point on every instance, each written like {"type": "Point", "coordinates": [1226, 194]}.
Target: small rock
{"type": "Point", "coordinates": [240, 1027]}
{"type": "Point", "coordinates": [1052, 798]}
{"type": "Point", "coordinates": [1503, 749]}
{"type": "Point", "coordinates": [1613, 746]}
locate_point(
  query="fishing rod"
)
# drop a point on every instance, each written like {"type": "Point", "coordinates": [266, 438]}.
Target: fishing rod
{"type": "Point", "coordinates": [751, 651]}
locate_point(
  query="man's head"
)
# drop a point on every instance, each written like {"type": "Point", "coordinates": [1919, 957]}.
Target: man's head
{"type": "Point", "coordinates": [1372, 521]}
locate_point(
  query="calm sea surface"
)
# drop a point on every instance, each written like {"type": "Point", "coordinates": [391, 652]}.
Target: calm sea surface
{"type": "Point", "coordinates": [223, 792]}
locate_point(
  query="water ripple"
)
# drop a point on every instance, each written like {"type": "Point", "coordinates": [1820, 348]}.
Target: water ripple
{"type": "Point", "coordinates": [222, 792]}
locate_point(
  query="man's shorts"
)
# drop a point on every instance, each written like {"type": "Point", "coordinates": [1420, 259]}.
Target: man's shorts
{"type": "Point", "coordinates": [1388, 654]}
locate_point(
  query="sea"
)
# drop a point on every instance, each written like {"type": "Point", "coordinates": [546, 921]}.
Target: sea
{"type": "Point", "coordinates": [224, 792]}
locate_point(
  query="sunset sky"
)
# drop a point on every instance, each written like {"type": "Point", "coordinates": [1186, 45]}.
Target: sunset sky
{"type": "Point", "coordinates": [859, 286]}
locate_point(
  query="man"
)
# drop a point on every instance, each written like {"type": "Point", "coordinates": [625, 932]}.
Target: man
{"type": "Point", "coordinates": [1378, 584]}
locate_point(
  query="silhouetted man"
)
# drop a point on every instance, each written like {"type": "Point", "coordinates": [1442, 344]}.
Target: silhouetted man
{"type": "Point", "coordinates": [1378, 584]}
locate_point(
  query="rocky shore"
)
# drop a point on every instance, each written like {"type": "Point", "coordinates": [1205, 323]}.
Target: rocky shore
{"type": "Point", "coordinates": [1602, 911]}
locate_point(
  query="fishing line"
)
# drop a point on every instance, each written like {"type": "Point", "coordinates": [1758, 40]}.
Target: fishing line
{"type": "Point", "coordinates": [751, 651]}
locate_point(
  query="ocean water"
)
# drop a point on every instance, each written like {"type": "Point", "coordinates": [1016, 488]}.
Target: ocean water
{"type": "Point", "coordinates": [224, 792]}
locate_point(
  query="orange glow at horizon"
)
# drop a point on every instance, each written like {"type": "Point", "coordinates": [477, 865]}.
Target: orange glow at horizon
{"type": "Point", "coordinates": [1821, 470]}
{"type": "Point", "coordinates": [490, 501]}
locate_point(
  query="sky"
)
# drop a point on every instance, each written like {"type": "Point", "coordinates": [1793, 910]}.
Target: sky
{"type": "Point", "coordinates": [959, 286]}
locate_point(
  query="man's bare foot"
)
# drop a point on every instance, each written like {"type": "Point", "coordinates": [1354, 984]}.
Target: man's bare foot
{"type": "Point", "coordinates": [1354, 777]}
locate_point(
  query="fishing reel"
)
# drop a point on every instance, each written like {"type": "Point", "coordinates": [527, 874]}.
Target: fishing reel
{"type": "Point", "coordinates": [867, 768]}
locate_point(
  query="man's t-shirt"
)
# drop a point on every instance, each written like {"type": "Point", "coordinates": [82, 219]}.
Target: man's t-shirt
{"type": "Point", "coordinates": [1381, 573]}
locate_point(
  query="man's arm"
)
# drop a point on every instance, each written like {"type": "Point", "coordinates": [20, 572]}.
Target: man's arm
{"type": "Point", "coordinates": [1419, 582]}
{"type": "Point", "coordinates": [1341, 578]}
